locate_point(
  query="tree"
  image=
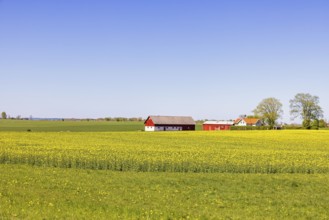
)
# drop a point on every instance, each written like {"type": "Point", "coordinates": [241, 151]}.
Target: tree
{"type": "Point", "coordinates": [269, 110]}
{"type": "Point", "coordinates": [315, 124]}
{"type": "Point", "coordinates": [307, 123]}
{"type": "Point", "coordinates": [253, 116]}
{"type": "Point", "coordinates": [4, 115]}
{"type": "Point", "coordinates": [306, 107]}
{"type": "Point", "coordinates": [322, 123]}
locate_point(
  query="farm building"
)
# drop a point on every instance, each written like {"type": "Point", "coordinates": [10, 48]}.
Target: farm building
{"type": "Point", "coordinates": [169, 123]}
{"type": "Point", "coordinates": [217, 125]}
{"type": "Point", "coordinates": [247, 122]}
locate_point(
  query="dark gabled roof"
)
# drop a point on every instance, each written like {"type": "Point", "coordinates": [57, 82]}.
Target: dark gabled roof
{"type": "Point", "coordinates": [172, 120]}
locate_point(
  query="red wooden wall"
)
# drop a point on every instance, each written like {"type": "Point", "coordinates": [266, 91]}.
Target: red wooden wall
{"type": "Point", "coordinates": [215, 127]}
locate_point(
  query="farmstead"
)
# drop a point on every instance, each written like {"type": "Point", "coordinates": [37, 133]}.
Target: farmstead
{"type": "Point", "coordinates": [169, 123]}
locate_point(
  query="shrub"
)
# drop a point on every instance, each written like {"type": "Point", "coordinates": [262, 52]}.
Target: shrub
{"type": "Point", "coordinates": [249, 128]}
{"type": "Point", "coordinates": [315, 124]}
{"type": "Point", "coordinates": [307, 124]}
{"type": "Point", "coordinates": [291, 127]}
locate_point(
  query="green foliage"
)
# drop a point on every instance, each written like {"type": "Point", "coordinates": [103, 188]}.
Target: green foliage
{"type": "Point", "coordinates": [249, 128]}
{"type": "Point", "coordinates": [311, 124]}
{"type": "Point", "coordinates": [269, 110]}
{"type": "Point", "coordinates": [322, 123]}
{"type": "Point", "coordinates": [253, 116]}
{"type": "Point", "coordinates": [292, 127]}
{"type": "Point", "coordinates": [305, 106]}
{"type": "Point", "coordinates": [307, 123]}
{"type": "Point", "coordinates": [315, 124]}
{"type": "Point", "coordinates": [4, 115]}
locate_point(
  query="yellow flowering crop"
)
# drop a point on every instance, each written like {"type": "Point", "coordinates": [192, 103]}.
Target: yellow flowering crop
{"type": "Point", "coordinates": [229, 152]}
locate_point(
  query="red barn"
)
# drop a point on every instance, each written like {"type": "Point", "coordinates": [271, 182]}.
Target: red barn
{"type": "Point", "coordinates": [217, 125]}
{"type": "Point", "coordinates": [169, 123]}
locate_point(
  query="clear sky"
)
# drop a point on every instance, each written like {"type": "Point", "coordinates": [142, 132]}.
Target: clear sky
{"type": "Point", "coordinates": [203, 58]}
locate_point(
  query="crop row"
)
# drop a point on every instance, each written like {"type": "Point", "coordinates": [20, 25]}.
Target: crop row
{"type": "Point", "coordinates": [222, 152]}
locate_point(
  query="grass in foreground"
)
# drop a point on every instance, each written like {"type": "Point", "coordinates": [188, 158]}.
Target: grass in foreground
{"type": "Point", "coordinates": [48, 193]}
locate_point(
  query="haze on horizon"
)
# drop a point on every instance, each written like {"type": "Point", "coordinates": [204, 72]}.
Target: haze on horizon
{"type": "Point", "coordinates": [206, 59]}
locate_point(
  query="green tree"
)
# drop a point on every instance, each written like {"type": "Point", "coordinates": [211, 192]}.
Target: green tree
{"type": "Point", "coordinates": [306, 107]}
{"type": "Point", "coordinates": [307, 123]}
{"type": "Point", "coordinates": [253, 116]}
{"type": "Point", "coordinates": [269, 110]}
{"type": "Point", "coordinates": [322, 123]}
{"type": "Point", "coordinates": [4, 115]}
{"type": "Point", "coordinates": [315, 124]}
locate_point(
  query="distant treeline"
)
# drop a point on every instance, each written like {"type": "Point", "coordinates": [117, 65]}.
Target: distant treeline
{"type": "Point", "coordinates": [122, 119]}
{"type": "Point", "coordinates": [4, 115]}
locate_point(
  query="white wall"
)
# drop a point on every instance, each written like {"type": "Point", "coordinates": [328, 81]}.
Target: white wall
{"type": "Point", "coordinates": [241, 123]}
{"type": "Point", "coordinates": [149, 128]}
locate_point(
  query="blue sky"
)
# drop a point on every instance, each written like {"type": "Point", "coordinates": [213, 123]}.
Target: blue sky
{"type": "Point", "coordinates": [207, 59]}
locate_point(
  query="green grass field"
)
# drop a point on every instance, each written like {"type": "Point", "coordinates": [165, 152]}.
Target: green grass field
{"type": "Point", "coordinates": [164, 175]}
{"type": "Point", "coordinates": [69, 126]}
{"type": "Point", "coordinates": [28, 192]}
{"type": "Point", "coordinates": [72, 126]}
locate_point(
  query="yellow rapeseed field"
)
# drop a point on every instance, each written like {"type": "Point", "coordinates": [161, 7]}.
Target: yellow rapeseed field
{"type": "Point", "coordinates": [223, 152]}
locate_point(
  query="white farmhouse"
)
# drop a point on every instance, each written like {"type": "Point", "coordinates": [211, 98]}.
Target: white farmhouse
{"type": "Point", "coordinates": [247, 122]}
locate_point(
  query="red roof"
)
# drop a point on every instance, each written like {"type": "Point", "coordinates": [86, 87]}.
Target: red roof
{"type": "Point", "coordinates": [249, 121]}
{"type": "Point", "coordinates": [237, 120]}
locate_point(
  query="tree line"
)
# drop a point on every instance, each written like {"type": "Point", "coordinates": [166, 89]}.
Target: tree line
{"type": "Point", "coordinates": [5, 116]}
{"type": "Point", "coordinates": [303, 106]}
{"type": "Point", "coordinates": [118, 119]}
